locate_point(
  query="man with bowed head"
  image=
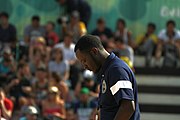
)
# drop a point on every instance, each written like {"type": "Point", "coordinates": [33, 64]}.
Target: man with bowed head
{"type": "Point", "coordinates": [118, 89]}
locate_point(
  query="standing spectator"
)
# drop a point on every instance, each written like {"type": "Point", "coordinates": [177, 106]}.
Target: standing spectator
{"type": "Point", "coordinates": [6, 105]}
{"type": "Point", "coordinates": [31, 32]}
{"type": "Point", "coordinates": [7, 31]}
{"type": "Point", "coordinates": [146, 43]}
{"type": "Point", "coordinates": [168, 43]}
{"type": "Point", "coordinates": [51, 37]}
{"type": "Point", "coordinates": [53, 105]}
{"type": "Point", "coordinates": [58, 64]}
{"type": "Point", "coordinates": [123, 32]}
{"type": "Point", "coordinates": [102, 31]}
{"type": "Point", "coordinates": [77, 5]}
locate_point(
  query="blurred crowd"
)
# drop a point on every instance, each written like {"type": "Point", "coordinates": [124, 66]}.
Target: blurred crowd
{"type": "Point", "coordinates": [40, 77]}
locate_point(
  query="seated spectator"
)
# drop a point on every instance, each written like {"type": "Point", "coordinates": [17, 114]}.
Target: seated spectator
{"type": "Point", "coordinates": [168, 43]}
{"type": "Point", "coordinates": [84, 106]}
{"type": "Point", "coordinates": [56, 80]}
{"type": "Point", "coordinates": [102, 31]}
{"type": "Point", "coordinates": [7, 66]}
{"type": "Point", "coordinates": [6, 105]}
{"type": "Point", "coordinates": [89, 83]}
{"type": "Point", "coordinates": [67, 46]}
{"type": "Point", "coordinates": [7, 31]}
{"type": "Point", "coordinates": [75, 26]}
{"type": "Point", "coordinates": [30, 113]}
{"type": "Point", "coordinates": [124, 51]}
{"type": "Point", "coordinates": [39, 55]}
{"type": "Point", "coordinates": [53, 105]}
{"type": "Point", "coordinates": [34, 30]}
{"type": "Point", "coordinates": [36, 61]}
{"type": "Point", "coordinates": [124, 33]}
{"type": "Point", "coordinates": [146, 43]}
{"type": "Point", "coordinates": [40, 85]}
{"type": "Point", "coordinates": [51, 37]}
{"type": "Point", "coordinates": [19, 86]}
{"type": "Point", "coordinates": [70, 115]}
{"type": "Point", "coordinates": [58, 64]}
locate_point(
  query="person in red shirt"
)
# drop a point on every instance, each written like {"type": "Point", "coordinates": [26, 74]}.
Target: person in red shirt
{"type": "Point", "coordinates": [6, 105]}
{"type": "Point", "coordinates": [51, 37]}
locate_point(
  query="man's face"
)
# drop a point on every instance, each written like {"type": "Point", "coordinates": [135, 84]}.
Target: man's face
{"type": "Point", "coordinates": [67, 40]}
{"type": "Point", "coordinates": [3, 20]}
{"type": "Point", "coordinates": [87, 60]}
{"type": "Point", "coordinates": [35, 23]}
{"type": "Point", "coordinates": [170, 28]}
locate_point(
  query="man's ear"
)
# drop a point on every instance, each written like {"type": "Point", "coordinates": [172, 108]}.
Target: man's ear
{"type": "Point", "coordinates": [94, 51]}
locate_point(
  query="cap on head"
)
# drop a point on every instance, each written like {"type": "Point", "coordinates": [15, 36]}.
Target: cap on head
{"type": "Point", "coordinates": [84, 90]}
{"type": "Point", "coordinates": [31, 110]}
{"type": "Point", "coordinates": [88, 74]}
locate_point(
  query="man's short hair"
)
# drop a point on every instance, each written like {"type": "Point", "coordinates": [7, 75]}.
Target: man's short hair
{"type": "Point", "coordinates": [171, 22]}
{"type": "Point", "coordinates": [35, 17]}
{"type": "Point", "coordinates": [87, 42]}
{"type": "Point", "coordinates": [4, 14]}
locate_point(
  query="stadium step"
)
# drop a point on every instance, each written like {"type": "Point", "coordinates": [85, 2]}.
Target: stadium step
{"type": "Point", "coordinates": [159, 97]}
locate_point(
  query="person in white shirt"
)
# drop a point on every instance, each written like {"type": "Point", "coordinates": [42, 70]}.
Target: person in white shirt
{"type": "Point", "coordinates": [67, 47]}
{"type": "Point", "coordinates": [169, 44]}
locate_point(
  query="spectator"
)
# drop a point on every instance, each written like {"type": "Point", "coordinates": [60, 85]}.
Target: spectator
{"type": "Point", "coordinates": [77, 5]}
{"type": "Point", "coordinates": [56, 80]}
{"type": "Point", "coordinates": [67, 47]}
{"type": "Point", "coordinates": [30, 113]}
{"type": "Point", "coordinates": [89, 83]}
{"type": "Point", "coordinates": [7, 66]}
{"type": "Point", "coordinates": [6, 105]}
{"type": "Point", "coordinates": [7, 31]}
{"type": "Point", "coordinates": [58, 64]}
{"type": "Point", "coordinates": [168, 43]}
{"type": "Point", "coordinates": [40, 85]}
{"type": "Point", "coordinates": [31, 32]}
{"type": "Point", "coordinates": [19, 86]}
{"type": "Point", "coordinates": [123, 32]}
{"type": "Point", "coordinates": [68, 51]}
{"type": "Point", "coordinates": [102, 31]}
{"type": "Point", "coordinates": [125, 52]}
{"type": "Point", "coordinates": [146, 43]}
{"type": "Point", "coordinates": [75, 26]}
{"type": "Point", "coordinates": [51, 37]}
{"type": "Point", "coordinates": [40, 48]}
{"type": "Point", "coordinates": [53, 106]}
{"type": "Point", "coordinates": [36, 60]}
{"type": "Point", "coordinates": [84, 106]}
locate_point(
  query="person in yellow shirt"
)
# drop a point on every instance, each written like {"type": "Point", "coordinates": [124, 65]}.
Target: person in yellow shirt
{"type": "Point", "coordinates": [146, 43]}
